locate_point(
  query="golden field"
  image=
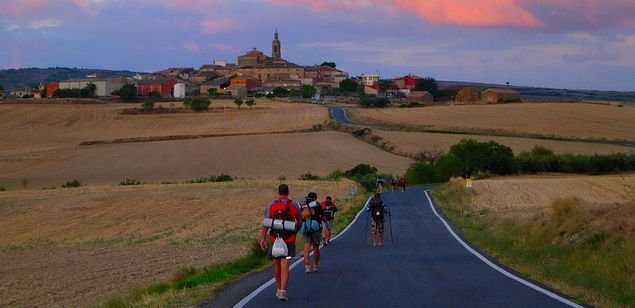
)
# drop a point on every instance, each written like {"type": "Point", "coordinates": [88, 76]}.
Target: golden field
{"type": "Point", "coordinates": [573, 120]}
{"type": "Point", "coordinates": [92, 243]}
{"type": "Point", "coordinates": [255, 156]}
{"type": "Point", "coordinates": [45, 127]}
{"type": "Point", "coordinates": [541, 191]}
{"type": "Point", "coordinates": [413, 142]}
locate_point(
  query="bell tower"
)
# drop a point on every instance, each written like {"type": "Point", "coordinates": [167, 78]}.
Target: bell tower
{"type": "Point", "coordinates": [276, 53]}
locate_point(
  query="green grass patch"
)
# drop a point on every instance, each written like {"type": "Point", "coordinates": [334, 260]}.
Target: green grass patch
{"type": "Point", "coordinates": [587, 252]}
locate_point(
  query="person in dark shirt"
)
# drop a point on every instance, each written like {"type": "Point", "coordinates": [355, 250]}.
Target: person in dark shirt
{"type": "Point", "coordinates": [312, 231]}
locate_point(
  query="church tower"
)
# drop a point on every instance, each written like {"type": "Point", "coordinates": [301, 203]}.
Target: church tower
{"type": "Point", "coordinates": [276, 53]}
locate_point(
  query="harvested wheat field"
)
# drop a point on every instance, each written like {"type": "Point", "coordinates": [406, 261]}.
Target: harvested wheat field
{"type": "Point", "coordinates": [574, 120]}
{"type": "Point", "coordinates": [541, 191]}
{"type": "Point", "coordinates": [254, 156]}
{"type": "Point", "coordinates": [93, 243]}
{"type": "Point", "coordinates": [413, 142]}
{"type": "Point", "coordinates": [40, 127]}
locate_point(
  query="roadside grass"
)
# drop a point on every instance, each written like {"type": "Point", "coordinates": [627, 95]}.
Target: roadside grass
{"type": "Point", "coordinates": [191, 287]}
{"type": "Point", "coordinates": [585, 251]}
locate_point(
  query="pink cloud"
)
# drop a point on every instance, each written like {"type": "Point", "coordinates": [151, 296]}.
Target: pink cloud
{"type": "Point", "coordinates": [555, 14]}
{"type": "Point", "coordinates": [211, 26]}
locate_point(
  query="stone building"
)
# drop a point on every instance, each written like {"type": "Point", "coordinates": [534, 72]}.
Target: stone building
{"type": "Point", "coordinates": [499, 96]}
{"type": "Point", "coordinates": [265, 68]}
{"type": "Point", "coordinates": [421, 97]}
{"type": "Point", "coordinates": [468, 95]}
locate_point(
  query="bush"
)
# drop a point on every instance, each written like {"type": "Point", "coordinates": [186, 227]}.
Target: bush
{"type": "Point", "coordinates": [308, 176]}
{"type": "Point", "coordinates": [374, 102]}
{"type": "Point", "coordinates": [361, 169]}
{"type": "Point", "coordinates": [197, 103]}
{"type": "Point", "coordinates": [129, 182]}
{"type": "Point", "coordinates": [539, 160]}
{"type": "Point", "coordinates": [148, 105]}
{"type": "Point", "coordinates": [335, 175]}
{"type": "Point", "coordinates": [238, 102]}
{"type": "Point", "coordinates": [421, 173]}
{"type": "Point", "coordinates": [72, 184]}
{"type": "Point", "coordinates": [211, 179]}
{"type": "Point", "coordinates": [127, 93]}
{"type": "Point", "coordinates": [474, 156]}
{"type": "Point", "coordinates": [250, 102]}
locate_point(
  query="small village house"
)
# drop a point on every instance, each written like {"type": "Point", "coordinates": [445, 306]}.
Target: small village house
{"type": "Point", "coordinates": [51, 87]}
{"type": "Point", "coordinates": [103, 87]}
{"type": "Point", "coordinates": [164, 86]}
{"type": "Point", "coordinates": [407, 82]}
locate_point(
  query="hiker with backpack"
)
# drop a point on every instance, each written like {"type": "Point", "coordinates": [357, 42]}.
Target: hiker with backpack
{"type": "Point", "coordinates": [393, 184]}
{"type": "Point", "coordinates": [403, 184]}
{"type": "Point", "coordinates": [380, 184]}
{"type": "Point", "coordinates": [311, 231]}
{"type": "Point", "coordinates": [377, 210]}
{"type": "Point", "coordinates": [282, 221]}
{"type": "Point", "coordinates": [329, 209]}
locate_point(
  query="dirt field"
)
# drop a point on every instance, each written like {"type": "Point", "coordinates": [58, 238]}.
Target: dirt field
{"type": "Point", "coordinates": [47, 127]}
{"type": "Point", "coordinates": [547, 119]}
{"type": "Point", "coordinates": [93, 243]}
{"type": "Point", "coordinates": [540, 191]}
{"type": "Point", "coordinates": [259, 156]}
{"type": "Point", "coordinates": [413, 142]}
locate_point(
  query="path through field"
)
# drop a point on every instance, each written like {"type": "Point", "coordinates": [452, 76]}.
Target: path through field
{"type": "Point", "coordinates": [425, 267]}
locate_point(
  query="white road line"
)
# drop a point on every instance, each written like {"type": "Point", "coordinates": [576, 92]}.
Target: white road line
{"type": "Point", "coordinates": [257, 291]}
{"type": "Point", "coordinates": [498, 268]}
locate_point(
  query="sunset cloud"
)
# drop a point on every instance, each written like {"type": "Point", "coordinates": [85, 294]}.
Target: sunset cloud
{"type": "Point", "coordinates": [211, 26]}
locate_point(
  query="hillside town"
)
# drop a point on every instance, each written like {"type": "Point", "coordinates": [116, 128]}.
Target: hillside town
{"type": "Point", "coordinates": [257, 74]}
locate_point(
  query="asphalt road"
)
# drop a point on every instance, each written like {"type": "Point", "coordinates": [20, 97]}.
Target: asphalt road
{"type": "Point", "coordinates": [339, 115]}
{"type": "Point", "coordinates": [426, 266]}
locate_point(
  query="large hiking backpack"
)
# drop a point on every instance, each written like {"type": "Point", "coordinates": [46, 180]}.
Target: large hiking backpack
{"type": "Point", "coordinates": [377, 209]}
{"type": "Point", "coordinates": [281, 211]}
{"type": "Point", "coordinates": [311, 223]}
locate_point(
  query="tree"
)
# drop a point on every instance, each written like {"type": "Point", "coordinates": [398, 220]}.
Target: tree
{"type": "Point", "coordinates": [250, 102]}
{"type": "Point", "coordinates": [427, 84]}
{"type": "Point", "coordinates": [238, 102]}
{"type": "Point", "coordinates": [128, 93]}
{"type": "Point", "coordinates": [197, 103]}
{"type": "Point", "coordinates": [280, 92]}
{"type": "Point", "coordinates": [307, 91]}
{"type": "Point", "coordinates": [331, 64]}
{"type": "Point", "coordinates": [349, 85]}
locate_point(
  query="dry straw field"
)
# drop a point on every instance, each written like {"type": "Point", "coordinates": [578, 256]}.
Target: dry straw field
{"type": "Point", "coordinates": [413, 142]}
{"type": "Point", "coordinates": [540, 191]}
{"type": "Point", "coordinates": [545, 119]}
{"type": "Point", "coordinates": [257, 156]}
{"type": "Point", "coordinates": [93, 243]}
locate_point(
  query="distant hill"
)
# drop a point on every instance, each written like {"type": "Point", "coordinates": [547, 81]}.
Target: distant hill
{"type": "Point", "coordinates": [535, 93]}
{"type": "Point", "coordinates": [12, 79]}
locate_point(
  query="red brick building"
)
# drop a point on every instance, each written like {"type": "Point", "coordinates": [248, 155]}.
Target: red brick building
{"type": "Point", "coordinates": [163, 86]}
{"type": "Point", "coordinates": [245, 81]}
{"type": "Point", "coordinates": [407, 82]}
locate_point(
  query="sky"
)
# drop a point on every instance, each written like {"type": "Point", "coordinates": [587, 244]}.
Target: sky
{"type": "Point", "coordinates": [574, 44]}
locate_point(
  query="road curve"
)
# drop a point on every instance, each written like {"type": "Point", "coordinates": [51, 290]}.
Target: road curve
{"type": "Point", "coordinates": [339, 114]}
{"type": "Point", "coordinates": [425, 266]}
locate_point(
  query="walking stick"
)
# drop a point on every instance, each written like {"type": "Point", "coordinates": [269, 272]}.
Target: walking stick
{"type": "Point", "coordinates": [390, 224]}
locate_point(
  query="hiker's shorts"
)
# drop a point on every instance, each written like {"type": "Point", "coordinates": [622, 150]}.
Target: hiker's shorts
{"type": "Point", "coordinates": [377, 227]}
{"type": "Point", "coordinates": [328, 224]}
{"type": "Point", "coordinates": [314, 238]}
{"type": "Point", "coordinates": [290, 247]}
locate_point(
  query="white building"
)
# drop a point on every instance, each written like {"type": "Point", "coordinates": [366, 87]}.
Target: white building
{"type": "Point", "coordinates": [370, 79]}
{"type": "Point", "coordinates": [179, 90]}
{"type": "Point", "coordinates": [103, 87]}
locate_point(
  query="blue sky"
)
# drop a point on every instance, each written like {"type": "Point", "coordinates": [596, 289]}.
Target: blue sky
{"type": "Point", "coordinates": [582, 44]}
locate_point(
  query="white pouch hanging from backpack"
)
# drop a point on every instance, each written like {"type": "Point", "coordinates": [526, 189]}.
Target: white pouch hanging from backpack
{"type": "Point", "coordinates": [279, 248]}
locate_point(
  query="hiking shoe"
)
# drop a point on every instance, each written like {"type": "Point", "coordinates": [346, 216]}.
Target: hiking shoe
{"type": "Point", "coordinates": [374, 244]}
{"type": "Point", "coordinates": [316, 268]}
{"type": "Point", "coordinates": [278, 294]}
{"type": "Point", "coordinates": [282, 296]}
{"type": "Point", "coordinates": [307, 269]}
